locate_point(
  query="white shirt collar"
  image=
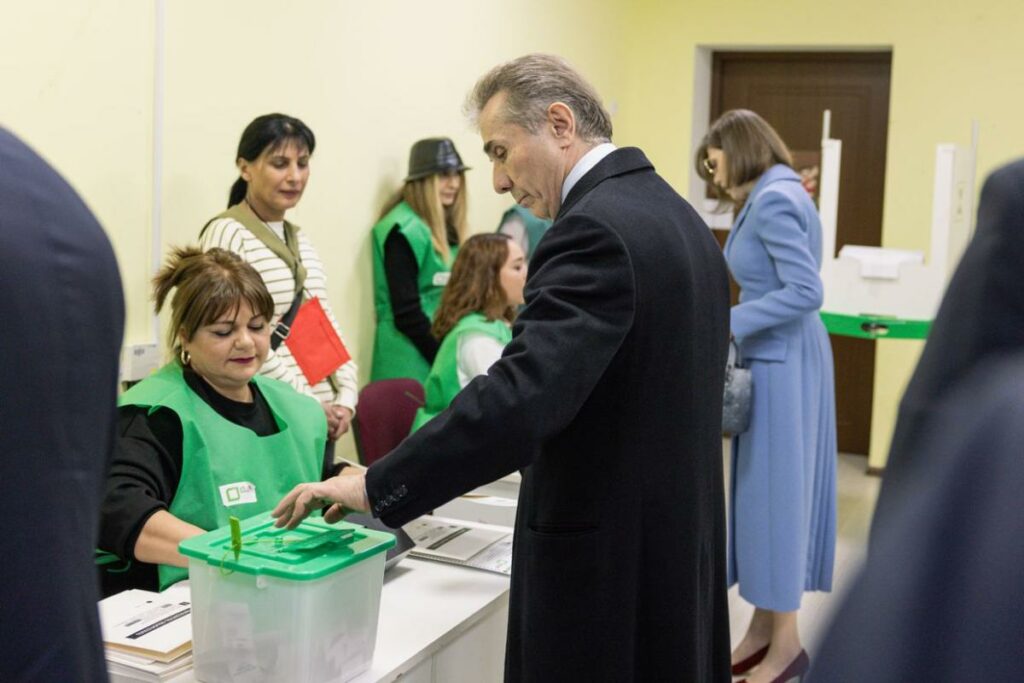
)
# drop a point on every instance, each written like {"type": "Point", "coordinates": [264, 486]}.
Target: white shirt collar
{"type": "Point", "coordinates": [277, 227]}
{"type": "Point", "coordinates": [583, 166]}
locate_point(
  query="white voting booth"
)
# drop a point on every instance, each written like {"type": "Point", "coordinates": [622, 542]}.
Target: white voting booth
{"type": "Point", "coordinates": [876, 292]}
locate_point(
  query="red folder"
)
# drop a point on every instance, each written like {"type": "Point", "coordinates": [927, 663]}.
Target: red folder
{"type": "Point", "coordinates": [314, 344]}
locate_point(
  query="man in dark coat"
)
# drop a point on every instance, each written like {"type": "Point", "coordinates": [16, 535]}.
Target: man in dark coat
{"type": "Point", "coordinates": [63, 313]}
{"type": "Point", "coordinates": [982, 314]}
{"type": "Point", "coordinates": [940, 597]}
{"type": "Point", "coordinates": [609, 398]}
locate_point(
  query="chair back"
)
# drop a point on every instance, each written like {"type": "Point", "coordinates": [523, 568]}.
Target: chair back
{"type": "Point", "coordinates": [384, 416]}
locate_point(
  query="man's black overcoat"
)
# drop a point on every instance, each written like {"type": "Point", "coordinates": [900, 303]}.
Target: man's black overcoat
{"type": "Point", "coordinates": [609, 398]}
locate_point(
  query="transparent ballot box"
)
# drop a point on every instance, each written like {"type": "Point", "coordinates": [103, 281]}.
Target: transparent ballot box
{"type": "Point", "coordinates": [270, 604]}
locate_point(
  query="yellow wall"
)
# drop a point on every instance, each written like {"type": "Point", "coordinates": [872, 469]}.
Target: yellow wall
{"type": "Point", "coordinates": [76, 84]}
{"type": "Point", "coordinates": [952, 61]}
{"type": "Point", "coordinates": [370, 78]}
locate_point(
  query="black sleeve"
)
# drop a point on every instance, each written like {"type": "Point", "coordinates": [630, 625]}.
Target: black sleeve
{"type": "Point", "coordinates": [143, 476]}
{"type": "Point", "coordinates": [581, 295]}
{"type": "Point", "coordinates": [402, 271]}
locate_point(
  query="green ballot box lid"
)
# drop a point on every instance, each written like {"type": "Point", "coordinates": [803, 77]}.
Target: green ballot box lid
{"type": "Point", "coordinates": [867, 326]}
{"type": "Point", "coordinates": [312, 550]}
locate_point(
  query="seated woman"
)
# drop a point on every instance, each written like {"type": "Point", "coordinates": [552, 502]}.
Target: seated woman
{"type": "Point", "coordinates": [474, 317]}
{"type": "Point", "coordinates": [206, 436]}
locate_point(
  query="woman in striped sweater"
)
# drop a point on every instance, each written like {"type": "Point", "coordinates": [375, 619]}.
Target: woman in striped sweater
{"type": "Point", "coordinates": [273, 165]}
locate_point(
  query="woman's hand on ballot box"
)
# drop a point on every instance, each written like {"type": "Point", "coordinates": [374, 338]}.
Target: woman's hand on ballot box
{"type": "Point", "coordinates": [341, 494]}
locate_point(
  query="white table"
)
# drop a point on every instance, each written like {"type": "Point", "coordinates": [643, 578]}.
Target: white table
{"type": "Point", "coordinates": [438, 623]}
{"type": "Point", "coordinates": [493, 503]}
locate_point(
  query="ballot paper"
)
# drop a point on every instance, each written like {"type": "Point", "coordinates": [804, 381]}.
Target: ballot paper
{"type": "Point", "coordinates": [153, 626]}
{"type": "Point", "coordinates": [463, 543]}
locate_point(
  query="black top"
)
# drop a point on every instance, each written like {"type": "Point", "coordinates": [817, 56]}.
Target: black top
{"type": "Point", "coordinates": [146, 470]}
{"type": "Point", "coordinates": [402, 274]}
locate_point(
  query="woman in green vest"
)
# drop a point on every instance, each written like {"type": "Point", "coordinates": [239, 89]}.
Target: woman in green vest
{"type": "Point", "coordinates": [206, 436]}
{"type": "Point", "coordinates": [475, 317]}
{"type": "Point", "coordinates": [414, 243]}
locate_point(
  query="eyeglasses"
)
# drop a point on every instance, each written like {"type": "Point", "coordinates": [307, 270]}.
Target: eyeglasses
{"type": "Point", "coordinates": [710, 165]}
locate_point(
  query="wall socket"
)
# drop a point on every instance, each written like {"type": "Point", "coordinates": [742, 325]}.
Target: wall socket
{"type": "Point", "coordinates": [138, 361]}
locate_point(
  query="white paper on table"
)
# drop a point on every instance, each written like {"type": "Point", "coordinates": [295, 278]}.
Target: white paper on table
{"type": "Point", "coordinates": [453, 541]}
{"type": "Point", "coordinates": [150, 624]}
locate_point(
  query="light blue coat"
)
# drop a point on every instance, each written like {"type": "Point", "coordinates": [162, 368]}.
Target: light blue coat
{"type": "Point", "coordinates": [782, 507]}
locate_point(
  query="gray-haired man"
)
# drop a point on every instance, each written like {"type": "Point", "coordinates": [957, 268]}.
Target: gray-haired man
{"type": "Point", "coordinates": [609, 398]}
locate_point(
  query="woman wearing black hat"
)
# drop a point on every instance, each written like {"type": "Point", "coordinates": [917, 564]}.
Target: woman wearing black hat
{"type": "Point", "coordinates": [414, 244]}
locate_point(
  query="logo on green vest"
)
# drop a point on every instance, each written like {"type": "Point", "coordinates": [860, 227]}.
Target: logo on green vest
{"type": "Point", "coordinates": [239, 493]}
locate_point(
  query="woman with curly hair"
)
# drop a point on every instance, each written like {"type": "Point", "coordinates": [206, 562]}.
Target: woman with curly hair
{"type": "Point", "coordinates": [473, 321]}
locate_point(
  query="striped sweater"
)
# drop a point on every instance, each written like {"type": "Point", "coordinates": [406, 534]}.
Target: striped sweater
{"type": "Point", "coordinates": [229, 234]}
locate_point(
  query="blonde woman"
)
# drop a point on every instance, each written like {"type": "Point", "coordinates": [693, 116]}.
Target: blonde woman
{"type": "Point", "coordinates": [414, 244]}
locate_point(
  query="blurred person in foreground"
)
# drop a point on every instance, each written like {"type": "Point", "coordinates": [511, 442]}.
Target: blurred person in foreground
{"type": "Point", "coordinates": [64, 313]}
{"type": "Point", "coordinates": [981, 315]}
{"type": "Point", "coordinates": [940, 596]}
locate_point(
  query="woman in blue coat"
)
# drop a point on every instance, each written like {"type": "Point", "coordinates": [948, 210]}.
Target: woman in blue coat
{"type": "Point", "coordinates": [782, 521]}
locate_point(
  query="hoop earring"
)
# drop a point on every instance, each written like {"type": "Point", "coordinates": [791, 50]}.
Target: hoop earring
{"type": "Point", "coordinates": [186, 357]}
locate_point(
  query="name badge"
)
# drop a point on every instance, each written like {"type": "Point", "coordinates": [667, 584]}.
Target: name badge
{"type": "Point", "coordinates": [239, 493]}
{"type": "Point", "coordinates": [441, 279]}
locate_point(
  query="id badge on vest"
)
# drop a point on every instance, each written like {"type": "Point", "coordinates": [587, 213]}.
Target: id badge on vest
{"type": "Point", "coordinates": [441, 278]}
{"type": "Point", "coordinates": [315, 346]}
{"type": "Point", "coordinates": [238, 493]}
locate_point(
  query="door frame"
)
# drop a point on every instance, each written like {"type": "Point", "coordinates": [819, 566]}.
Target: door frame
{"type": "Point", "coordinates": [701, 110]}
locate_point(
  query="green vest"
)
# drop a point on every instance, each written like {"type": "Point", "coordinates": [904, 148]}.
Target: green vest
{"type": "Point", "coordinates": [227, 469]}
{"type": "Point", "coordinates": [443, 381]}
{"type": "Point", "coordinates": [394, 355]}
{"type": "Point", "coordinates": [535, 227]}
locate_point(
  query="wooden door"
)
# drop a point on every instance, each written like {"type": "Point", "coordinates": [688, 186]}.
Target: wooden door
{"type": "Point", "coordinates": [791, 90]}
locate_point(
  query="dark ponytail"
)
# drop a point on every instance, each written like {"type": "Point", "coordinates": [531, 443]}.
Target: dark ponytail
{"type": "Point", "coordinates": [238, 191]}
{"type": "Point", "coordinates": [268, 131]}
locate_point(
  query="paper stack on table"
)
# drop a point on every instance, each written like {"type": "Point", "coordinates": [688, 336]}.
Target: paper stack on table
{"type": "Point", "coordinates": [147, 636]}
{"type": "Point", "coordinates": [469, 544]}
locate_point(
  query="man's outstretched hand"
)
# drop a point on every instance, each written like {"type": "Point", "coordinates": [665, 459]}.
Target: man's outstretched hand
{"type": "Point", "coordinates": [340, 495]}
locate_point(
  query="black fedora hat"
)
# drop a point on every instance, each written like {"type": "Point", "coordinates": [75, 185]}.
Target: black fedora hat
{"type": "Point", "coordinates": [433, 155]}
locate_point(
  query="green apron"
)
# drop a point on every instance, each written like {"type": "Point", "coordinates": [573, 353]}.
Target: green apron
{"type": "Point", "coordinates": [535, 227]}
{"type": "Point", "coordinates": [443, 381]}
{"type": "Point", "coordinates": [394, 355]}
{"type": "Point", "coordinates": [227, 469]}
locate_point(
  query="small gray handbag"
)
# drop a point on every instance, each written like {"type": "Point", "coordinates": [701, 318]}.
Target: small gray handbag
{"type": "Point", "coordinates": [739, 388]}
